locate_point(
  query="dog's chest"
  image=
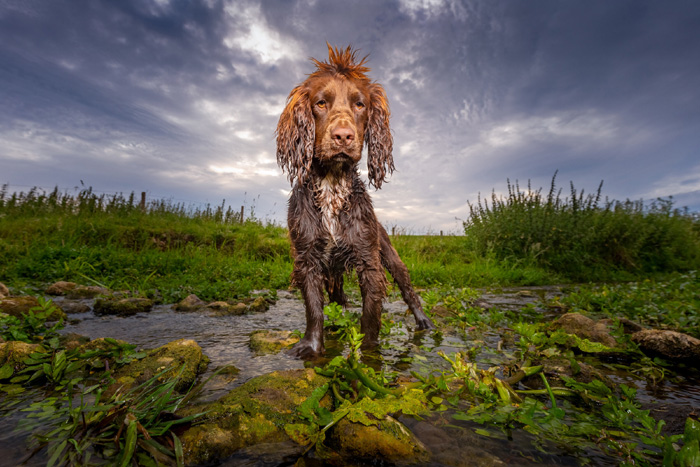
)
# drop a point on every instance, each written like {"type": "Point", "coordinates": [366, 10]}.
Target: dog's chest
{"type": "Point", "coordinates": [331, 195]}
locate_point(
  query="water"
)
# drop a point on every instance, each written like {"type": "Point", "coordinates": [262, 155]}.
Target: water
{"type": "Point", "coordinates": [225, 340]}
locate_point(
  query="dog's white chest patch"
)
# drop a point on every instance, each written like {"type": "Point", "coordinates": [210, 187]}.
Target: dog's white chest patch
{"type": "Point", "coordinates": [331, 194]}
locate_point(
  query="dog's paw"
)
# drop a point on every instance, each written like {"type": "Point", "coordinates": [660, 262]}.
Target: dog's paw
{"type": "Point", "coordinates": [307, 349]}
{"type": "Point", "coordinates": [424, 324]}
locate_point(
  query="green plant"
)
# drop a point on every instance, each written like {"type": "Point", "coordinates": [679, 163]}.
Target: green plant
{"type": "Point", "coordinates": [137, 424]}
{"type": "Point", "coordinates": [32, 326]}
{"type": "Point", "coordinates": [580, 237]}
{"type": "Point", "coordinates": [672, 303]}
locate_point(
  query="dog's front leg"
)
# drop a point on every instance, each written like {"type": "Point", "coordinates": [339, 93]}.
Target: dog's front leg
{"type": "Point", "coordinates": [308, 277]}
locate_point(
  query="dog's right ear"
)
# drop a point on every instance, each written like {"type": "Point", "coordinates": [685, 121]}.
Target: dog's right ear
{"type": "Point", "coordinates": [296, 132]}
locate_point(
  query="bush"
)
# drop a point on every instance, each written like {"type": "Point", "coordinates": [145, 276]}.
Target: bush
{"type": "Point", "coordinates": [582, 239]}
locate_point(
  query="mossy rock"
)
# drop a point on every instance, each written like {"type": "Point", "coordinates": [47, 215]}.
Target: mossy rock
{"type": "Point", "coordinates": [16, 306]}
{"type": "Point", "coordinates": [87, 291]}
{"type": "Point", "coordinates": [253, 413]}
{"type": "Point", "coordinates": [226, 309]}
{"type": "Point", "coordinates": [73, 290]}
{"type": "Point", "coordinates": [265, 342]}
{"type": "Point", "coordinates": [387, 439]}
{"type": "Point", "coordinates": [12, 356]}
{"type": "Point", "coordinates": [122, 306]}
{"type": "Point", "coordinates": [585, 328]}
{"type": "Point", "coordinates": [72, 340]}
{"type": "Point", "coordinates": [172, 357]}
{"type": "Point", "coordinates": [190, 303]}
{"type": "Point", "coordinates": [264, 410]}
{"type": "Point", "coordinates": [60, 288]}
{"type": "Point", "coordinates": [259, 305]}
{"type": "Point", "coordinates": [74, 307]}
{"type": "Point", "coordinates": [102, 343]}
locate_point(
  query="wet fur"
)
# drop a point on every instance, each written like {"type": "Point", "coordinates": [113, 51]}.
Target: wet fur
{"type": "Point", "coordinates": [332, 226]}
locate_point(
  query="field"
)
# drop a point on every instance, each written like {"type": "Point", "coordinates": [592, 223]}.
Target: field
{"type": "Point", "coordinates": [168, 251]}
{"type": "Point", "coordinates": [486, 372]}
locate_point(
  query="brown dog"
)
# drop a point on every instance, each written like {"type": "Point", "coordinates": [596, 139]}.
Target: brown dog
{"type": "Point", "coordinates": [331, 220]}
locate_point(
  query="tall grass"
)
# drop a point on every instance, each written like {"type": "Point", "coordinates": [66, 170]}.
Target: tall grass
{"type": "Point", "coordinates": [163, 249]}
{"type": "Point", "coordinates": [582, 237]}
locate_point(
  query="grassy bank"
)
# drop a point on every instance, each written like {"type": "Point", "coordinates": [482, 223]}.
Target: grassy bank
{"type": "Point", "coordinates": [168, 250]}
{"type": "Point", "coordinates": [164, 249]}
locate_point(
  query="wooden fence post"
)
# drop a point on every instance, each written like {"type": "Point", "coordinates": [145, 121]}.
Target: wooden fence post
{"type": "Point", "coordinates": [242, 212]}
{"type": "Point", "coordinates": [142, 205]}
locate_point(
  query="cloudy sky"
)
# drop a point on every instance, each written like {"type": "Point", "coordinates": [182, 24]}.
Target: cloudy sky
{"type": "Point", "coordinates": [181, 98]}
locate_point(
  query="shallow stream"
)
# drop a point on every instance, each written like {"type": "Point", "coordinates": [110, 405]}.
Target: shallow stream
{"type": "Point", "coordinates": [225, 340]}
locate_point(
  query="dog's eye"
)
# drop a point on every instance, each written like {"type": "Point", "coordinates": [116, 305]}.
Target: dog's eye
{"type": "Point", "coordinates": [359, 106]}
{"type": "Point", "coordinates": [321, 104]}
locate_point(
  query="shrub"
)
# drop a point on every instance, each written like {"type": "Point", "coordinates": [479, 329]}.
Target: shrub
{"type": "Point", "coordinates": [582, 238]}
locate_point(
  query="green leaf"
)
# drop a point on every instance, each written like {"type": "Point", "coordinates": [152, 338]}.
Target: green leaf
{"type": "Point", "coordinates": [692, 431]}
{"type": "Point", "coordinates": [57, 453]}
{"type": "Point", "coordinates": [130, 442]}
{"type": "Point", "coordinates": [179, 455]}
{"type": "Point", "coordinates": [6, 371]}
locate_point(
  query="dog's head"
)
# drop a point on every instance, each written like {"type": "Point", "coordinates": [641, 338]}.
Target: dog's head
{"type": "Point", "coordinates": [331, 115]}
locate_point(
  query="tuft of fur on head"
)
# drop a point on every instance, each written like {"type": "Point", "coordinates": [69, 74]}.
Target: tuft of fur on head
{"type": "Point", "coordinates": [342, 62]}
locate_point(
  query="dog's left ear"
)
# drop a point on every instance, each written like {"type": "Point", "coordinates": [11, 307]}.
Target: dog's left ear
{"type": "Point", "coordinates": [380, 162]}
{"type": "Point", "coordinates": [296, 132]}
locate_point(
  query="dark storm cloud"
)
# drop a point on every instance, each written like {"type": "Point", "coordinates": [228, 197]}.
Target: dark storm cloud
{"type": "Point", "coordinates": [182, 98]}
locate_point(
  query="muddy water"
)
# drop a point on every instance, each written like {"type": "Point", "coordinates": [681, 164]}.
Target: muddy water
{"type": "Point", "coordinates": [225, 340]}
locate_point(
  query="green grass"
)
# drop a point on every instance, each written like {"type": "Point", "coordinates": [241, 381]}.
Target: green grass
{"type": "Point", "coordinates": [163, 250]}
{"type": "Point", "coordinates": [582, 238]}
{"type": "Point", "coordinates": [166, 250]}
{"type": "Point", "coordinates": [451, 260]}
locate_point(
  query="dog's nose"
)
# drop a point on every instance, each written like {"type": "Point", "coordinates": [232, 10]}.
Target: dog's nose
{"type": "Point", "coordinates": [343, 135]}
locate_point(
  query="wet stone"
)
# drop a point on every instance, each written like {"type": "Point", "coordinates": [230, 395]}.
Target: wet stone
{"type": "Point", "coordinates": [585, 328]}
{"type": "Point", "coordinates": [181, 355]}
{"type": "Point", "coordinates": [16, 306]}
{"type": "Point", "coordinates": [226, 309]}
{"type": "Point", "coordinates": [60, 288]}
{"type": "Point", "coordinates": [123, 306]}
{"type": "Point", "coordinates": [268, 342]}
{"type": "Point", "coordinates": [4, 291]}
{"type": "Point", "coordinates": [190, 303]}
{"type": "Point", "coordinates": [669, 344]}
{"type": "Point", "coordinates": [75, 307]}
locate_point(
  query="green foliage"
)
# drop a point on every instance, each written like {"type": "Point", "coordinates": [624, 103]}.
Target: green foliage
{"type": "Point", "coordinates": [453, 261]}
{"type": "Point", "coordinates": [581, 238]}
{"type": "Point", "coordinates": [584, 415]}
{"type": "Point", "coordinates": [673, 303]}
{"type": "Point", "coordinates": [81, 422]}
{"type": "Point", "coordinates": [163, 250]}
{"type": "Point", "coordinates": [135, 425]}
{"type": "Point", "coordinates": [461, 305]}
{"type": "Point", "coordinates": [32, 326]}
